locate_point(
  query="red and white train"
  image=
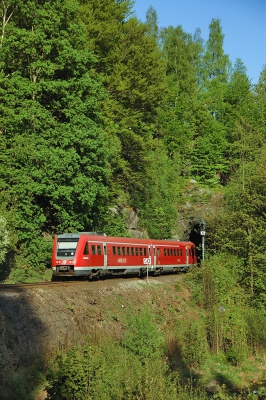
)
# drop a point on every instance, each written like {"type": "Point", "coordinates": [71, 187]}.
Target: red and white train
{"type": "Point", "coordinates": [93, 255]}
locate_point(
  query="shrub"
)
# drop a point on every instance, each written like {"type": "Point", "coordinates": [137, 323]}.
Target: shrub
{"type": "Point", "coordinates": [143, 338]}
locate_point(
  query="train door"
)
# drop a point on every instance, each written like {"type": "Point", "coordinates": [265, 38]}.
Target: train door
{"type": "Point", "coordinates": [152, 257]}
{"type": "Point", "coordinates": [147, 260]}
{"type": "Point", "coordinates": [105, 257]}
{"type": "Point", "coordinates": [97, 255]}
{"type": "Point", "coordinates": [150, 263]}
{"type": "Point", "coordinates": [194, 255]}
{"type": "Point", "coordinates": [158, 256]}
{"type": "Point", "coordinates": [187, 256]}
{"type": "Point", "coordinates": [85, 260]}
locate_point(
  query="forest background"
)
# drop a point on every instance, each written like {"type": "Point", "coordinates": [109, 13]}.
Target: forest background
{"type": "Point", "coordinates": [100, 112]}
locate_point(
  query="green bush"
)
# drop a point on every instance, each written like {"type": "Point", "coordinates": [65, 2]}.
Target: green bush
{"type": "Point", "coordinates": [256, 329]}
{"type": "Point", "coordinates": [143, 338]}
{"type": "Point", "coordinates": [193, 343]}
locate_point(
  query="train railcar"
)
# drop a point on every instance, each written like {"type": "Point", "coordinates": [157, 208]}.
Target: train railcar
{"type": "Point", "coordinates": [93, 255]}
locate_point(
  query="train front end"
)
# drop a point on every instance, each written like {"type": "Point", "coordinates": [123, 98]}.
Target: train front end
{"type": "Point", "coordinates": [64, 253]}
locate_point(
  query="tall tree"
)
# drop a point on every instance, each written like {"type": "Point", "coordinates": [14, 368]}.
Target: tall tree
{"type": "Point", "coordinates": [216, 64]}
{"type": "Point", "coordinates": [130, 65]}
{"type": "Point", "coordinates": [242, 120]}
{"type": "Point", "coordinates": [241, 228]}
{"type": "Point", "coordinates": [178, 115]}
{"type": "Point", "coordinates": [215, 70]}
{"type": "Point", "coordinates": [210, 153]}
{"type": "Point", "coordinates": [260, 101]}
{"type": "Point", "coordinates": [152, 22]}
{"type": "Point", "coordinates": [54, 153]}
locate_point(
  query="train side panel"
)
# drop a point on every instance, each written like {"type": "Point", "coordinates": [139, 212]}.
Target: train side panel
{"type": "Point", "coordinates": [172, 257]}
{"type": "Point", "coordinates": [127, 257]}
{"type": "Point", "coordinates": [89, 255]}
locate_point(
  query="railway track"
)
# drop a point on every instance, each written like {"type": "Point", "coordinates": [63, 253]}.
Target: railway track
{"type": "Point", "coordinates": [108, 282]}
{"type": "Point", "coordinates": [64, 282]}
{"type": "Point", "coordinates": [6, 286]}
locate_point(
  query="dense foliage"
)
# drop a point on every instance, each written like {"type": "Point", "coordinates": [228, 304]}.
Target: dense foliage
{"type": "Point", "coordinates": [150, 362]}
{"type": "Point", "coordinates": [99, 112]}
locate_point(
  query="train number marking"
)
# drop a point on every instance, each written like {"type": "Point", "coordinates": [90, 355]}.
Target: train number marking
{"type": "Point", "coordinates": [122, 260]}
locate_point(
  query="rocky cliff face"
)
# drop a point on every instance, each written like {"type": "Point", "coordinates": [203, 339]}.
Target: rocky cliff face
{"type": "Point", "coordinates": [198, 204]}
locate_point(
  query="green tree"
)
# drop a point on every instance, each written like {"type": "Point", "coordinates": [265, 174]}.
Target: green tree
{"type": "Point", "coordinates": [241, 227]}
{"type": "Point", "coordinates": [152, 22]}
{"type": "Point", "coordinates": [139, 92]}
{"type": "Point", "coordinates": [108, 370]}
{"type": "Point", "coordinates": [178, 114]}
{"type": "Point", "coordinates": [240, 119]}
{"type": "Point", "coordinates": [143, 337]}
{"type": "Point", "coordinates": [54, 153]}
{"type": "Point", "coordinates": [215, 64]}
{"type": "Point", "coordinates": [225, 304]}
{"type": "Point", "coordinates": [163, 176]}
{"type": "Point", "coordinates": [209, 154]}
{"type": "Point", "coordinates": [4, 239]}
{"type": "Point", "coordinates": [260, 102]}
{"type": "Point", "coordinates": [132, 71]}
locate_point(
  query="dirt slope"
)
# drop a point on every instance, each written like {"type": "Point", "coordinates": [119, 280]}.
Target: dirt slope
{"type": "Point", "coordinates": [36, 321]}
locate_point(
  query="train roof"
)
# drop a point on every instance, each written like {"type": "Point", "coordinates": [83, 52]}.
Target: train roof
{"type": "Point", "coordinates": [76, 235]}
{"type": "Point", "coordinates": [139, 241]}
{"type": "Point", "coordinates": [97, 236]}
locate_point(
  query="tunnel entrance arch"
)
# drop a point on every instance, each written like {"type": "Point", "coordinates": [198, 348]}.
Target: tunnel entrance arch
{"type": "Point", "coordinates": [196, 238]}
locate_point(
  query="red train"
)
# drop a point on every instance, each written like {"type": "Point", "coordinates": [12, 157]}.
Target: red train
{"type": "Point", "coordinates": [93, 255]}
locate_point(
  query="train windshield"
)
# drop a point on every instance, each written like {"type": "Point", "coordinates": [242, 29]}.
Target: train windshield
{"type": "Point", "coordinates": [67, 247]}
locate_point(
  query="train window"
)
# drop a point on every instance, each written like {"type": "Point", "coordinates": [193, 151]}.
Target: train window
{"type": "Point", "coordinates": [171, 252]}
{"type": "Point", "coordinates": [137, 251]}
{"type": "Point", "coordinates": [118, 250]}
{"type": "Point", "coordinates": [128, 251]}
{"type": "Point", "coordinates": [174, 252]}
{"type": "Point", "coordinates": [114, 250]}
{"type": "Point", "coordinates": [86, 249]}
{"type": "Point", "coordinates": [158, 252]}
{"type": "Point", "coordinates": [140, 251]}
{"type": "Point", "coordinates": [93, 249]}
{"type": "Point", "coordinates": [181, 252]}
{"type": "Point", "coordinates": [123, 251]}
{"type": "Point", "coordinates": [66, 247]}
{"type": "Point", "coordinates": [145, 251]}
{"type": "Point", "coordinates": [99, 250]}
{"type": "Point", "coordinates": [132, 251]}
{"type": "Point", "coordinates": [165, 252]}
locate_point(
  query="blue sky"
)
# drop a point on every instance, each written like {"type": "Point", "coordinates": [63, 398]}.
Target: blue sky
{"type": "Point", "coordinates": [243, 23]}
